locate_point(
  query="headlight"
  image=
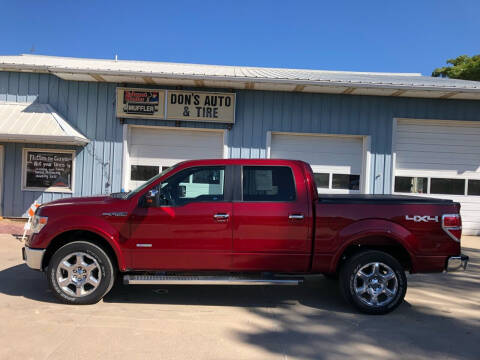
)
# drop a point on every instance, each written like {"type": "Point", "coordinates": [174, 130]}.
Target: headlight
{"type": "Point", "coordinates": [38, 223]}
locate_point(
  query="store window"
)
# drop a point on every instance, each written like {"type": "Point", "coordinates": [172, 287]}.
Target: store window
{"type": "Point", "coordinates": [322, 180]}
{"type": "Point", "coordinates": [447, 186]}
{"type": "Point", "coordinates": [143, 172]}
{"type": "Point", "coordinates": [346, 181]}
{"type": "Point", "coordinates": [409, 184]}
{"type": "Point", "coordinates": [473, 187]}
{"type": "Point", "coordinates": [50, 170]}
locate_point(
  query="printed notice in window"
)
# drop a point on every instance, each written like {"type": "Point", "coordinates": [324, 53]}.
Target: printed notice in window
{"type": "Point", "coordinates": [45, 169]}
{"type": "Point", "coordinates": [263, 180]}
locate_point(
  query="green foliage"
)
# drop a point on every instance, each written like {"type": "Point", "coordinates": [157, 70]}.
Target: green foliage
{"type": "Point", "coordinates": [463, 67]}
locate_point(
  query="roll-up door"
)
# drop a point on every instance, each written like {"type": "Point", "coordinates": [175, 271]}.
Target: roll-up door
{"type": "Point", "coordinates": [152, 150]}
{"type": "Point", "coordinates": [336, 160]}
{"type": "Point", "coordinates": [440, 159]}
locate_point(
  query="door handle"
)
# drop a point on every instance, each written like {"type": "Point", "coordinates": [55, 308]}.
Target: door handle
{"type": "Point", "coordinates": [221, 216]}
{"type": "Point", "coordinates": [296, 216]}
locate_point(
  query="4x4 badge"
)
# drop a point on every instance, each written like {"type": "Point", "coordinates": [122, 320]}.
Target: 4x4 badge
{"type": "Point", "coordinates": [419, 218]}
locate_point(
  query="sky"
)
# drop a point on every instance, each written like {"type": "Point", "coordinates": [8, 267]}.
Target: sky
{"type": "Point", "coordinates": [360, 35]}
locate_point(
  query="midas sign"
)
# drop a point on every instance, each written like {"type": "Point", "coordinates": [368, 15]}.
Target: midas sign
{"type": "Point", "coordinates": [140, 103]}
{"type": "Point", "coordinates": [201, 106]}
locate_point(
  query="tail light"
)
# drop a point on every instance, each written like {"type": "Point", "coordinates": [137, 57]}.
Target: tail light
{"type": "Point", "coordinates": [452, 225]}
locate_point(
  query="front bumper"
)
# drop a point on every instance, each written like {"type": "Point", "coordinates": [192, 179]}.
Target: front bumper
{"type": "Point", "coordinates": [456, 263]}
{"type": "Point", "coordinates": [33, 257]}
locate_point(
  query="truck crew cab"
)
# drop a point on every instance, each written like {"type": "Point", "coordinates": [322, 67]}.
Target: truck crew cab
{"type": "Point", "coordinates": [239, 221]}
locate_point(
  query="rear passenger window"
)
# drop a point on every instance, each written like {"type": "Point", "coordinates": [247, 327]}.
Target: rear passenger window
{"type": "Point", "coordinates": [268, 183]}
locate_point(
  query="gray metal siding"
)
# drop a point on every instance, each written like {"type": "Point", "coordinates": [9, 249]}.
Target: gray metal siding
{"type": "Point", "coordinates": [87, 106]}
{"type": "Point", "coordinates": [90, 107]}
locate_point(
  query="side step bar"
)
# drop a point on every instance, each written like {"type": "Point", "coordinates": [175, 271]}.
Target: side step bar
{"type": "Point", "coordinates": [206, 280]}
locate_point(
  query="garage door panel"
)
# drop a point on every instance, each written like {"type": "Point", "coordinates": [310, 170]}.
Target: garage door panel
{"type": "Point", "coordinates": [433, 127]}
{"type": "Point", "coordinates": [463, 160]}
{"type": "Point", "coordinates": [165, 147]}
{"type": "Point", "coordinates": [326, 154]}
{"type": "Point", "coordinates": [335, 169]}
{"type": "Point", "coordinates": [175, 152]}
{"type": "Point", "coordinates": [304, 144]}
{"type": "Point", "coordinates": [315, 157]}
{"type": "Point", "coordinates": [412, 138]}
{"type": "Point", "coordinates": [442, 149]}
{"type": "Point", "coordinates": [171, 139]}
{"type": "Point", "coordinates": [437, 165]}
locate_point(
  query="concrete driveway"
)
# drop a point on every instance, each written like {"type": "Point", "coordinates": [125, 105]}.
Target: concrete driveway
{"type": "Point", "coordinates": [440, 319]}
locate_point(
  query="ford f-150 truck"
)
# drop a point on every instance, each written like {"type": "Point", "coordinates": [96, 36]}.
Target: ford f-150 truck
{"type": "Point", "coordinates": [238, 221]}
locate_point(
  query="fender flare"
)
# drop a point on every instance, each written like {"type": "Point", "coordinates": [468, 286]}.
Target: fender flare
{"type": "Point", "coordinates": [91, 224]}
{"type": "Point", "coordinates": [355, 232]}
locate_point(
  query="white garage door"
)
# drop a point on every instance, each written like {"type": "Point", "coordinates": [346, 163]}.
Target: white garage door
{"type": "Point", "coordinates": [440, 159]}
{"type": "Point", "coordinates": [335, 160]}
{"type": "Point", "coordinates": [152, 150]}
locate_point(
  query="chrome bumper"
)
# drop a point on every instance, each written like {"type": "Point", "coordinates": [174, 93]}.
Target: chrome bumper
{"type": "Point", "coordinates": [456, 263]}
{"type": "Point", "coordinates": [33, 257]}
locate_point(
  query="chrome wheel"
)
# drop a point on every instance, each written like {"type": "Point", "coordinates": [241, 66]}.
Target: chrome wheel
{"type": "Point", "coordinates": [78, 274]}
{"type": "Point", "coordinates": [376, 284]}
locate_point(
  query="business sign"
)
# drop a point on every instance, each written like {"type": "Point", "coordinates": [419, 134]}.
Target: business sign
{"type": "Point", "coordinates": [176, 105]}
{"type": "Point", "coordinates": [201, 106]}
{"type": "Point", "coordinates": [141, 103]}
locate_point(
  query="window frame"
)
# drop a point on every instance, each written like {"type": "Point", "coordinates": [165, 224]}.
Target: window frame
{"type": "Point", "coordinates": [338, 190]}
{"type": "Point", "coordinates": [427, 192]}
{"type": "Point", "coordinates": [468, 187]}
{"type": "Point", "coordinates": [238, 196]}
{"type": "Point", "coordinates": [429, 180]}
{"type": "Point", "coordinates": [51, 189]}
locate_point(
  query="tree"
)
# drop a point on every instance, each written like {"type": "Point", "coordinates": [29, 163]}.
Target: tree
{"type": "Point", "coordinates": [463, 67]}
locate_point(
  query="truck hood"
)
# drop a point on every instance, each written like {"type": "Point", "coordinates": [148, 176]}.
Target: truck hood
{"type": "Point", "coordinates": [101, 199]}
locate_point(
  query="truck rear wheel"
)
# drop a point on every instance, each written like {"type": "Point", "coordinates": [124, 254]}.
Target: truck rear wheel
{"type": "Point", "coordinates": [80, 273]}
{"type": "Point", "coordinates": [374, 282]}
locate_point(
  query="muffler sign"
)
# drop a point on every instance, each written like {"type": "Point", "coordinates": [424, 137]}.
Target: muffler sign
{"type": "Point", "coordinates": [144, 103]}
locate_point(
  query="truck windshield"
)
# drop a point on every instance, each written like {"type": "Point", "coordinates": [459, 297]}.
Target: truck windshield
{"type": "Point", "coordinates": [148, 182]}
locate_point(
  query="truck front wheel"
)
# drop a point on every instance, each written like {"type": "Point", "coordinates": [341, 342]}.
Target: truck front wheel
{"type": "Point", "coordinates": [80, 273]}
{"type": "Point", "coordinates": [373, 281]}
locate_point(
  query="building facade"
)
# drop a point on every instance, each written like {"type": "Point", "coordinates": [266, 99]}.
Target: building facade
{"type": "Point", "coordinates": [63, 132]}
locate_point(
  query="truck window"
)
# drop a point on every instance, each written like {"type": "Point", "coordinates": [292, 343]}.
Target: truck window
{"type": "Point", "coordinates": [193, 185]}
{"type": "Point", "coordinates": [268, 183]}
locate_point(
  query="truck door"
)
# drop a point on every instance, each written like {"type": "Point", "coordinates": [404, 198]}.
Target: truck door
{"type": "Point", "coordinates": [272, 219]}
{"type": "Point", "coordinates": [190, 224]}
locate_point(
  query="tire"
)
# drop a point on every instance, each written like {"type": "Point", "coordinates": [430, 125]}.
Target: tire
{"type": "Point", "coordinates": [80, 273]}
{"type": "Point", "coordinates": [370, 288]}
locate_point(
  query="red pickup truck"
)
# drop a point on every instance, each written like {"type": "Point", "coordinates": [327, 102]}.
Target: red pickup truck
{"type": "Point", "coordinates": [237, 221]}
